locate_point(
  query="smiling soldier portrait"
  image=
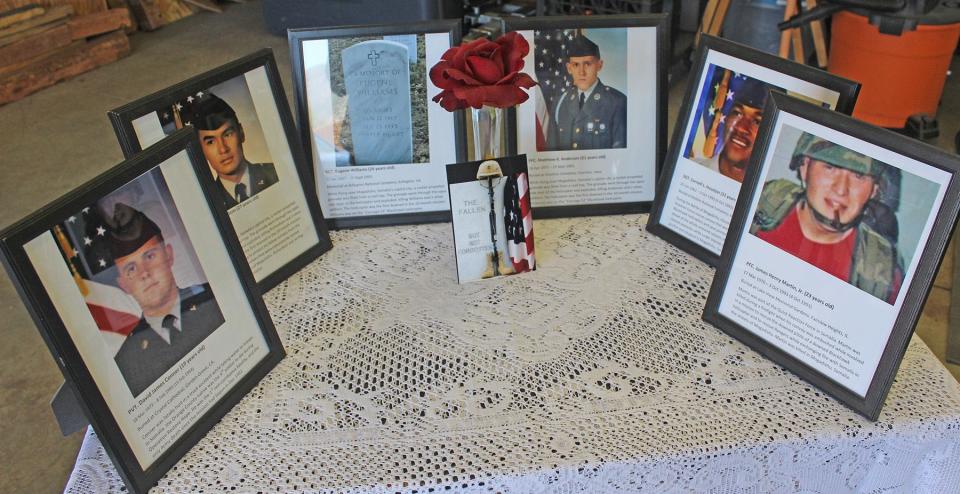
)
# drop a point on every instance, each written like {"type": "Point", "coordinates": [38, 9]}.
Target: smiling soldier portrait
{"type": "Point", "coordinates": [221, 138]}
{"type": "Point", "coordinates": [834, 219]}
{"type": "Point", "coordinates": [740, 131]}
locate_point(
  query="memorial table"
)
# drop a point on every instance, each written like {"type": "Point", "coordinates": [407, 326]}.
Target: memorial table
{"type": "Point", "coordinates": [592, 374]}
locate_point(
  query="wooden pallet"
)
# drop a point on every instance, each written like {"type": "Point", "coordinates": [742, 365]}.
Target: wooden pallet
{"type": "Point", "coordinates": [42, 44]}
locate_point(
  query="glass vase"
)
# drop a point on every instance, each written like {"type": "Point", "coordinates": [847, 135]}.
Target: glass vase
{"type": "Point", "coordinates": [488, 132]}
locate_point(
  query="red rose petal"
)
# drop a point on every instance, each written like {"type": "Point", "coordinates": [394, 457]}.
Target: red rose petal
{"type": "Point", "coordinates": [485, 70]}
{"type": "Point", "coordinates": [515, 47]}
{"type": "Point", "coordinates": [460, 78]}
{"type": "Point", "coordinates": [437, 75]}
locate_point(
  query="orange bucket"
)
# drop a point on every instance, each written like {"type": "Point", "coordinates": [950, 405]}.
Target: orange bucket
{"type": "Point", "coordinates": [901, 75]}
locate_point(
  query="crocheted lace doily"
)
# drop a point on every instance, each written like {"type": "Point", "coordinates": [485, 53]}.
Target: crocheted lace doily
{"type": "Point", "coordinates": [592, 374]}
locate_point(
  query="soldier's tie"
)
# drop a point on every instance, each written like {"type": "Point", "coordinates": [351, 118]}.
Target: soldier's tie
{"type": "Point", "coordinates": [170, 322]}
{"type": "Point", "coordinates": [241, 192]}
{"type": "Point", "coordinates": [583, 97]}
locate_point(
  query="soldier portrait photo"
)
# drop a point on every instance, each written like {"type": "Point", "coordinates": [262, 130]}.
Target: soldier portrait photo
{"type": "Point", "coordinates": [728, 115]}
{"type": "Point", "coordinates": [142, 282]}
{"type": "Point", "coordinates": [582, 74]}
{"type": "Point", "coordinates": [224, 137]}
{"type": "Point", "coordinates": [850, 215]}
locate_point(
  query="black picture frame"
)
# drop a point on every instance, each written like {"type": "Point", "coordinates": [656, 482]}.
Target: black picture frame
{"type": "Point", "coordinates": [90, 397]}
{"type": "Point", "coordinates": [297, 38]}
{"type": "Point", "coordinates": [847, 95]}
{"type": "Point", "coordinates": [659, 22]}
{"type": "Point", "coordinates": [912, 292]}
{"type": "Point", "coordinates": [122, 119]}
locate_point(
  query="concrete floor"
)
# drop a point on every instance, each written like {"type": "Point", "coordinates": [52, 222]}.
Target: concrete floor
{"type": "Point", "coordinates": [57, 139]}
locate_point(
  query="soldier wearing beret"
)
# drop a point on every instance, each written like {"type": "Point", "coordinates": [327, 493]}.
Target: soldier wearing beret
{"type": "Point", "coordinates": [834, 219]}
{"type": "Point", "coordinates": [221, 138]}
{"type": "Point", "coordinates": [175, 320]}
{"type": "Point", "coordinates": [740, 130]}
{"type": "Point", "coordinates": [589, 115]}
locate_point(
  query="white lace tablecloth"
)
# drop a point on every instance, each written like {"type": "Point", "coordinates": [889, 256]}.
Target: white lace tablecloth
{"type": "Point", "coordinates": [592, 374]}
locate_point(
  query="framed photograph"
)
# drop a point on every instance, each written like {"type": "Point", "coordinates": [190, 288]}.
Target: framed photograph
{"type": "Point", "coordinates": [248, 137]}
{"type": "Point", "coordinates": [136, 283]}
{"type": "Point", "coordinates": [376, 143]}
{"type": "Point", "coordinates": [492, 218]}
{"type": "Point", "coordinates": [594, 128]}
{"type": "Point", "coordinates": [833, 248]}
{"type": "Point", "coordinates": [716, 135]}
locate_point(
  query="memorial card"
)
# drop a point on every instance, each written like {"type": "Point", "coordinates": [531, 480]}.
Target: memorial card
{"type": "Point", "coordinates": [594, 128]}
{"type": "Point", "coordinates": [137, 285]}
{"type": "Point", "coordinates": [716, 134]}
{"type": "Point", "coordinates": [376, 146]}
{"type": "Point", "coordinates": [248, 138]}
{"type": "Point", "coordinates": [492, 219]}
{"type": "Point", "coordinates": [833, 248]}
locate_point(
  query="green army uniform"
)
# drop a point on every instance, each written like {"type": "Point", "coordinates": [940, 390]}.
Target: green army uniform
{"type": "Point", "coordinates": [595, 119]}
{"type": "Point", "coordinates": [600, 124]}
{"type": "Point", "coordinates": [875, 265]}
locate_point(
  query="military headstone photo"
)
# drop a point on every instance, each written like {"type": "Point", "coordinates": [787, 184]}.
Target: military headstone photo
{"type": "Point", "coordinates": [377, 78]}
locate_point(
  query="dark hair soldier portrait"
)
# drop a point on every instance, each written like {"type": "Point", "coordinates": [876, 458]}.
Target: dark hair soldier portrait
{"type": "Point", "coordinates": [222, 138]}
{"type": "Point", "coordinates": [729, 112]}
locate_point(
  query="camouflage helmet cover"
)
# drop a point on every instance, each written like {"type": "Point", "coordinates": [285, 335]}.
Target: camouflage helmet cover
{"type": "Point", "coordinates": [821, 149]}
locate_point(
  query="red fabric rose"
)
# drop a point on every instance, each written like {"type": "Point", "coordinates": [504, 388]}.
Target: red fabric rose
{"type": "Point", "coordinates": [483, 72]}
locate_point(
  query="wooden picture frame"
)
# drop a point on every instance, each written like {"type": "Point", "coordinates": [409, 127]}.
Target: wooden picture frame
{"type": "Point", "coordinates": [124, 243]}
{"type": "Point", "coordinates": [280, 222]}
{"type": "Point", "coordinates": [879, 203]}
{"type": "Point", "coordinates": [695, 198]}
{"type": "Point", "coordinates": [394, 174]}
{"type": "Point", "coordinates": [601, 156]}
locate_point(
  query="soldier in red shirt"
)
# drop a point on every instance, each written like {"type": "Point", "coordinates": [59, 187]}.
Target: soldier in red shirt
{"type": "Point", "coordinates": [833, 219]}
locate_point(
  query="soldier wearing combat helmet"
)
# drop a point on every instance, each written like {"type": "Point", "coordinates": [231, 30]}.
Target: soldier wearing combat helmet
{"type": "Point", "coordinates": [590, 114]}
{"type": "Point", "coordinates": [829, 220]}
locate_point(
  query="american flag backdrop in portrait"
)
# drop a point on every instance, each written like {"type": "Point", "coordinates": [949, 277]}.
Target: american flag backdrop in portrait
{"type": "Point", "coordinates": [551, 71]}
{"type": "Point", "coordinates": [179, 113]}
{"type": "Point", "coordinates": [83, 240]}
{"type": "Point", "coordinates": [518, 222]}
{"type": "Point", "coordinates": [717, 99]}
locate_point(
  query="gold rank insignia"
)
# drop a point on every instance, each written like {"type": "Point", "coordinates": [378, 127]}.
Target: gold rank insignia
{"type": "Point", "coordinates": [193, 307]}
{"type": "Point", "coordinates": [144, 344]}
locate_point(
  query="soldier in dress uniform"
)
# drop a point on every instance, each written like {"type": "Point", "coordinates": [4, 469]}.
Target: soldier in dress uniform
{"type": "Point", "coordinates": [589, 115]}
{"type": "Point", "coordinates": [221, 138]}
{"type": "Point", "coordinates": [175, 320]}
{"type": "Point", "coordinates": [834, 219]}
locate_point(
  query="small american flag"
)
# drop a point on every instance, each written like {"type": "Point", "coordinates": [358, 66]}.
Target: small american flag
{"type": "Point", "coordinates": [518, 221]}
